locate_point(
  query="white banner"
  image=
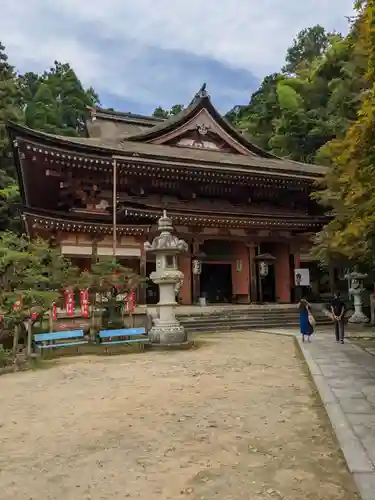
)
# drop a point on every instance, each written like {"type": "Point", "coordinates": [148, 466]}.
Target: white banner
{"type": "Point", "coordinates": [302, 277]}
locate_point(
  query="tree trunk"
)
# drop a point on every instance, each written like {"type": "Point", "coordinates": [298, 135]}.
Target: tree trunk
{"type": "Point", "coordinates": [15, 340]}
{"type": "Point", "coordinates": [50, 319]}
{"type": "Point", "coordinates": [29, 338]}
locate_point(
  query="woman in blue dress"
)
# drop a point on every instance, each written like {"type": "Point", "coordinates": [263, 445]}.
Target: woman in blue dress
{"type": "Point", "coordinates": [306, 328]}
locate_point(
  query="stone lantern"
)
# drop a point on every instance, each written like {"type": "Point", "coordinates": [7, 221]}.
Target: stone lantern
{"type": "Point", "coordinates": [166, 329]}
{"type": "Point", "coordinates": [356, 289]}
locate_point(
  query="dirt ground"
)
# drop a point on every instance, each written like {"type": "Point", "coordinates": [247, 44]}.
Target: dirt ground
{"type": "Point", "coordinates": [235, 419]}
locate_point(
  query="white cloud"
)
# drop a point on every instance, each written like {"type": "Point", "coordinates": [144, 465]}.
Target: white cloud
{"type": "Point", "coordinates": [248, 34]}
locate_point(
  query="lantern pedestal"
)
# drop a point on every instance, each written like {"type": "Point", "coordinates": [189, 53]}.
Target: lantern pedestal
{"type": "Point", "coordinates": [166, 330]}
{"type": "Point", "coordinates": [356, 290]}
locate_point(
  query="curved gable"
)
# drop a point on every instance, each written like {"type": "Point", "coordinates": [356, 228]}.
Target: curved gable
{"type": "Point", "coordinates": [201, 126]}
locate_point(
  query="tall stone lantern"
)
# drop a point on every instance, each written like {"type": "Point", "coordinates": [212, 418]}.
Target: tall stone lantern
{"type": "Point", "coordinates": [356, 290]}
{"type": "Point", "coordinates": [166, 329]}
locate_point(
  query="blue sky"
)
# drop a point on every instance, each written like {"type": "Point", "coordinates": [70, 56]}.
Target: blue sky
{"type": "Point", "coordinates": [139, 54]}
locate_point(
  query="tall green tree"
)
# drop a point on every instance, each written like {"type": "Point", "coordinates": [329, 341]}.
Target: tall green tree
{"type": "Point", "coordinates": [159, 112]}
{"type": "Point", "coordinates": [10, 110]}
{"type": "Point", "coordinates": [57, 102]}
{"type": "Point", "coordinates": [315, 98]}
{"type": "Point", "coordinates": [32, 276]}
{"type": "Point", "coordinates": [350, 184]}
{"type": "Point", "coordinates": [309, 44]}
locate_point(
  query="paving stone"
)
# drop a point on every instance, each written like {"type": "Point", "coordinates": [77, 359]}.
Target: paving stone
{"type": "Point", "coordinates": [347, 393]}
{"type": "Point", "coordinates": [367, 437]}
{"type": "Point", "coordinates": [366, 485]}
{"type": "Point", "coordinates": [355, 454]}
{"type": "Point", "coordinates": [361, 419]}
{"type": "Point", "coordinates": [345, 381]}
{"type": "Point", "coordinates": [369, 390]}
{"type": "Point", "coordinates": [356, 405]}
{"type": "Point", "coordinates": [325, 391]}
{"type": "Point", "coordinates": [371, 399]}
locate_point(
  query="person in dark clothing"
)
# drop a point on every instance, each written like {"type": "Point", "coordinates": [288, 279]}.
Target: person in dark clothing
{"type": "Point", "coordinates": [338, 312]}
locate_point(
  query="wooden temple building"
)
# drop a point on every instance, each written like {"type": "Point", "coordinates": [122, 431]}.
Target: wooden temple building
{"type": "Point", "coordinates": [234, 203]}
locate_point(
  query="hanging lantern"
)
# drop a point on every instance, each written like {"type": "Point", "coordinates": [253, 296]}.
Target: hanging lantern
{"type": "Point", "coordinates": [263, 269]}
{"type": "Point", "coordinates": [197, 266]}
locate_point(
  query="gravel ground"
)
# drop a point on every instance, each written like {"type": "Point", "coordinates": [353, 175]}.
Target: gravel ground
{"type": "Point", "coordinates": [235, 419]}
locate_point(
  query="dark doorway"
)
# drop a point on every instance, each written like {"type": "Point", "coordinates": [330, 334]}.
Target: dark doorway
{"type": "Point", "coordinates": [216, 282]}
{"type": "Point", "coordinates": [152, 290]}
{"type": "Point", "coordinates": [268, 285]}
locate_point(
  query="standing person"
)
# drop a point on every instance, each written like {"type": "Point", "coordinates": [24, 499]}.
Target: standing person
{"type": "Point", "coordinates": [338, 312]}
{"type": "Point", "coordinates": [306, 328]}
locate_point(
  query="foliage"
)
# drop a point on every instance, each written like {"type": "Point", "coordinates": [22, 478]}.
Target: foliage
{"type": "Point", "coordinates": [53, 102]}
{"type": "Point", "coordinates": [9, 99]}
{"type": "Point", "coordinates": [9, 110]}
{"type": "Point", "coordinates": [159, 112]}
{"type": "Point", "coordinates": [33, 275]}
{"type": "Point", "coordinates": [106, 281]}
{"type": "Point", "coordinates": [309, 44]}
{"type": "Point", "coordinates": [56, 101]}
{"type": "Point", "coordinates": [350, 183]}
{"type": "Point", "coordinates": [315, 97]}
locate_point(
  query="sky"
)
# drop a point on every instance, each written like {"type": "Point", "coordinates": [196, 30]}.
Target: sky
{"type": "Point", "coordinates": [140, 54]}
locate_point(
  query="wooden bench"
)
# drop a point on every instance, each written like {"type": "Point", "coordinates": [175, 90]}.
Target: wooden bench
{"type": "Point", "coordinates": [56, 339]}
{"type": "Point", "coordinates": [133, 335]}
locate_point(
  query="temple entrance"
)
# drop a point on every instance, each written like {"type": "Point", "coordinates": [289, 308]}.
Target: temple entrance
{"type": "Point", "coordinates": [216, 282]}
{"type": "Point", "coordinates": [268, 285]}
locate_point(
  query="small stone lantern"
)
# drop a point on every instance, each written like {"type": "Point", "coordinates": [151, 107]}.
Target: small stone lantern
{"type": "Point", "coordinates": [166, 329]}
{"type": "Point", "coordinates": [356, 289]}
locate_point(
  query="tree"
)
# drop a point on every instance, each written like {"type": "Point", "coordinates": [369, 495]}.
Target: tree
{"type": "Point", "coordinates": [9, 99]}
{"type": "Point", "coordinates": [43, 111]}
{"type": "Point", "coordinates": [350, 183]}
{"type": "Point", "coordinates": [159, 112]}
{"type": "Point", "coordinates": [56, 102]}
{"type": "Point", "coordinates": [32, 276]}
{"type": "Point", "coordinates": [309, 44]}
{"type": "Point", "coordinates": [28, 84]}
{"type": "Point", "coordinates": [9, 111]}
{"type": "Point", "coordinates": [296, 113]}
{"type": "Point", "coordinates": [107, 281]}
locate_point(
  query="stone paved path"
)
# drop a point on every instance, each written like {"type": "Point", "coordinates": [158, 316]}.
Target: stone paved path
{"type": "Point", "coordinates": [345, 378]}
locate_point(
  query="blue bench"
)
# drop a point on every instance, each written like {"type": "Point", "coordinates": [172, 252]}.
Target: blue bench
{"type": "Point", "coordinates": [56, 339]}
{"type": "Point", "coordinates": [110, 337]}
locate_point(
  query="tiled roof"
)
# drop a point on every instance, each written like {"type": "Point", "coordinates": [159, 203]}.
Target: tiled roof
{"type": "Point", "coordinates": [226, 161]}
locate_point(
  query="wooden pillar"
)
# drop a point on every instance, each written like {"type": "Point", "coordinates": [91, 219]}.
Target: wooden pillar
{"type": "Point", "coordinates": [143, 275]}
{"type": "Point", "coordinates": [297, 290]}
{"type": "Point", "coordinates": [253, 272]}
{"type": "Point", "coordinates": [195, 277]}
{"type": "Point", "coordinates": [282, 273]}
{"type": "Point", "coordinates": [186, 268]}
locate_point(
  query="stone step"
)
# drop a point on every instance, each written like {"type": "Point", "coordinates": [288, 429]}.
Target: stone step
{"type": "Point", "coordinates": [234, 327]}
{"type": "Point", "coordinates": [250, 317]}
{"type": "Point", "coordinates": [244, 312]}
{"type": "Point", "coordinates": [240, 325]}
{"type": "Point", "coordinates": [244, 316]}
